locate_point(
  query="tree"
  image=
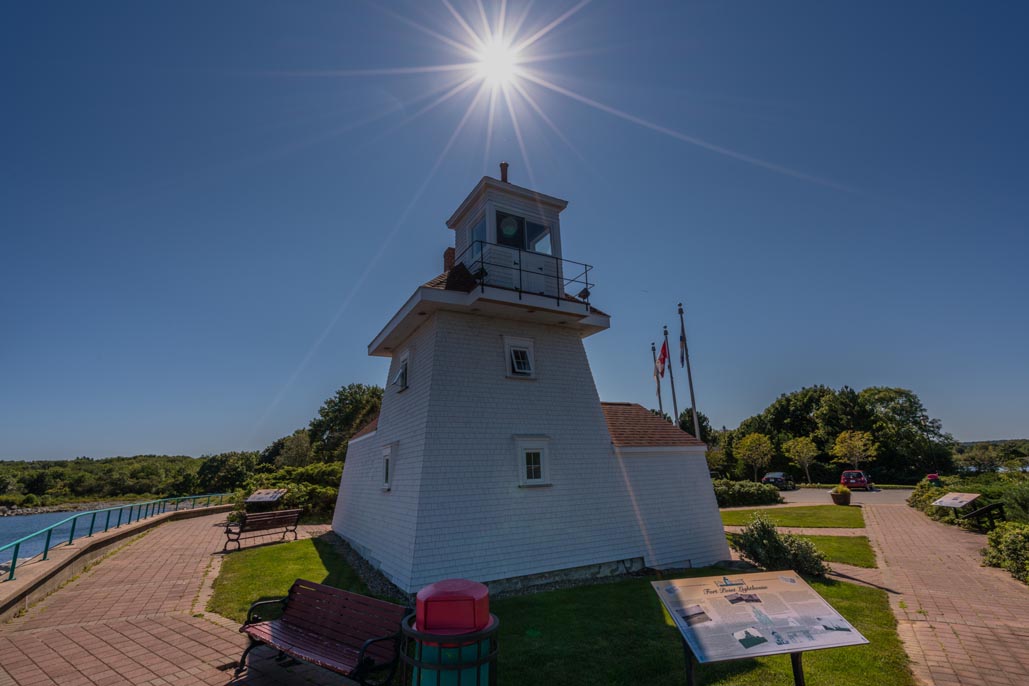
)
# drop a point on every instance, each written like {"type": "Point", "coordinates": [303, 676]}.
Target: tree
{"type": "Point", "coordinates": [754, 450]}
{"type": "Point", "coordinates": [982, 457]}
{"type": "Point", "coordinates": [837, 412]}
{"type": "Point", "coordinates": [340, 417]}
{"type": "Point", "coordinates": [912, 443]}
{"type": "Point", "coordinates": [854, 447]}
{"type": "Point", "coordinates": [716, 459]}
{"type": "Point", "coordinates": [7, 483]}
{"type": "Point", "coordinates": [226, 472]}
{"type": "Point", "coordinates": [802, 452]}
{"type": "Point", "coordinates": [686, 424]}
{"type": "Point", "coordinates": [296, 450]}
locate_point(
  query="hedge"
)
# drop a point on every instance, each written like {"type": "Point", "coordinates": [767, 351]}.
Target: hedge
{"type": "Point", "coordinates": [740, 493]}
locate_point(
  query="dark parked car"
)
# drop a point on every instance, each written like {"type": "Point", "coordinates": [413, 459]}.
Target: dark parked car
{"type": "Point", "coordinates": [853, 478]}
{"type": "Point", "coordinates": [780, 480]}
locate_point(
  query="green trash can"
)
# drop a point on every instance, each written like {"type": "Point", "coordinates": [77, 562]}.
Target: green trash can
{"type": "Point", "coordinates": [451, 638]}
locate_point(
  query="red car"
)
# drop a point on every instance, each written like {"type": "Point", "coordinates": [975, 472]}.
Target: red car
{"type": "Point", "coordinates": [853, 478]}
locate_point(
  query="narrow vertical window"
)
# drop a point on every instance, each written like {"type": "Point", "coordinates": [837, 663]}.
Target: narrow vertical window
{"type": "Point", "coordinates": [533, 465]}
{"type": "Point", "coordinates": [388, 465]}
{"type": "Point", "coordinates": [400, 376]}
{"type": "Point", "coordinates": [533, 460]}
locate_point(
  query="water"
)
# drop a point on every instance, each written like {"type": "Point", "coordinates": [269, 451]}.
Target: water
{"type": "Point", "coordinates": [13, 528]}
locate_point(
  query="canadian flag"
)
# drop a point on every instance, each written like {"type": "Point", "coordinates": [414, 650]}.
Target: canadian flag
{"type": "Point", "coordinates": [662, 359]}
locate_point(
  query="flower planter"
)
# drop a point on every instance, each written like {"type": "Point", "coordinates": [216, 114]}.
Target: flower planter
{"type": "Point", "coordinates": [840, 498]}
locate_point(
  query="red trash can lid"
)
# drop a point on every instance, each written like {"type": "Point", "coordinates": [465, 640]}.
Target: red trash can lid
{"type": "Point", "coordinates": [452, 606]}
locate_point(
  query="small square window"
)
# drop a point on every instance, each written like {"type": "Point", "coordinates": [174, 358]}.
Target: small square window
{"type": "Point", "coordinates": [520, 358]}
{"type": "Point", "coordinates": [521, 364]}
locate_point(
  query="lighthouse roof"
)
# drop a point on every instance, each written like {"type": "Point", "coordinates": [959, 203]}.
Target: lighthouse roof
{"type": "Point", "coordinates": [633, 426]}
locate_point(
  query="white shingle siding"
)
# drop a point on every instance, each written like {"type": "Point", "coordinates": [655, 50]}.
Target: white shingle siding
{"type": "Point", "coordinates": [381, 524]}
{"type": "Point", "coordinates": [676, 504]}
{"type": "Point", "coordinates": [456, 508]}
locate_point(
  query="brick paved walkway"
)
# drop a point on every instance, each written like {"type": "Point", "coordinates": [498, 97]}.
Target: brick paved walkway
{"type": "Point", "coordinates": [961, 623]}
{"type": "Point", "coordinates": [129, 620]}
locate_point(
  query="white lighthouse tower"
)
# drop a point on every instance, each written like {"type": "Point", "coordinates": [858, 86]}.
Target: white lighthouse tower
{"type": "Point", "coordinates": [492, 457]}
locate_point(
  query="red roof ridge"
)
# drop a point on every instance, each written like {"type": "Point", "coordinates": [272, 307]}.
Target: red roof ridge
{"type": "Point", "coordinates": [370, 427]}
{"type": "Point", "coordinates": [633, 426]}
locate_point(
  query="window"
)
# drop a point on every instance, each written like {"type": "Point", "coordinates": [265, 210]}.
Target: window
{"type": "Point", "coordinates": [520, 359]}
{"type": "Point", "coordinates": [533, 465]}
{"type": "Point", "coordinates": [520, 363]}
{"type": "Point", "coordinates": [516, 232]}
{"type": "Point", "coordinates": [537, 238]}
{"type": "Point", "coordinates": [478, 234]}
{"type": "Point", "coordinates": [388, 465]}
{"type": "Point", "coordinates": [510, 230]}
{"type": "Point", "coordinates": [400, 377]}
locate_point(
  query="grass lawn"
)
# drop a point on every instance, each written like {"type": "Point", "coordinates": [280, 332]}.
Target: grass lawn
{"type": "Point", "coordinates": [851, 550]}
{"type": "Point", "coordinates": [610, 634]}
{"type": "Point", "coordinates": [820, 516]}
{"type": "Point", "coordinates": [268, 571]}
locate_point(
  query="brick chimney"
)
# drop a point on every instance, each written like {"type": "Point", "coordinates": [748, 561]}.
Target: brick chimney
{"type": "Point", "coordinates": [448, 259]}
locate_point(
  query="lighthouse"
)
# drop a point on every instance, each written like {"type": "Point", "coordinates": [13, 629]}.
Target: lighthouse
{"type": "Point", "coordinates": [493, 457]}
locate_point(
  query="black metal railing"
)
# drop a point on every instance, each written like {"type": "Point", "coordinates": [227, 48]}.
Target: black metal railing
{"type": "Point", "coordinates": [524, 271]}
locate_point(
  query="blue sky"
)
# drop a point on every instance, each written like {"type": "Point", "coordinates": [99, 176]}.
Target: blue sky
{"type": "Point", "coordinates": [206, 215]}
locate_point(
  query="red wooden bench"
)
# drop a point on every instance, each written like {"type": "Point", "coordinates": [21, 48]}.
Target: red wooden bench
{"type": "Point", "coordinates": [287, 520]}
{"type": "Point", "coordinates": [350, 634]}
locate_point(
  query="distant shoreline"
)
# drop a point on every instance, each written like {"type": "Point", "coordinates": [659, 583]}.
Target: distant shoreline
{"type": "Point", "coordinates": [64, 507]}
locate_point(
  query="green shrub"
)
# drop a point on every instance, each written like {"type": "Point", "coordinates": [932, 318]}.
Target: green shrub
{"type": "Point", "coordinates": [11, 500]}
{"type": "Point", "coordinates": [1010, 489]}
{"type": "Point", "coordinates": [740, 493]}
{"type": "Point", "coordinates": [30, 500]}
{"type": "Point", "coordinates": [840, 488]}
{"type": "Point", "coordinates": [1008, 548]}
{"type": "Point", "coordinates": [761, 543]}
{"type": "Point", "coordinates": [312, 488]}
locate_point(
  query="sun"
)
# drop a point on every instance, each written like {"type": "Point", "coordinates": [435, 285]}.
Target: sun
{"type": "Point", "coordinates": [497, 63]}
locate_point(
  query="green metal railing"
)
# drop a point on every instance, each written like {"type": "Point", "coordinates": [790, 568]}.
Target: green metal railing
{"type": "Point", "coordinates": [126, 514]}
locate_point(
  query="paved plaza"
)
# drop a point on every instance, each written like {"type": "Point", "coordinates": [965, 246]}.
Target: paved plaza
{"type": "Point", "coordinates": [134, 619]}
{"type": "Point", "coordinates": [138, 616]}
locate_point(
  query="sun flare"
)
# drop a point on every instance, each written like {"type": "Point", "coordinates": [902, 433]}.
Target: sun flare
{"type": "Point", "coordinates": [497, 63]}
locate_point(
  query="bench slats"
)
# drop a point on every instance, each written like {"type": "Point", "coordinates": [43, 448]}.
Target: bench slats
{"type": "Point", "coordinates": [287, 520]}
{"type": "Point", "coordinates": [346, 617]}
{"type": "Point", "coordinates": [305, 645]}
{"type": "Point", "coordinates": [328, 626]}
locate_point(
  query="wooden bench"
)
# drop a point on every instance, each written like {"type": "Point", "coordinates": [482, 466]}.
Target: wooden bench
{"type": "Point", "coordinates": [350, 634]}
{"type": "Point", "coordinates": [286, 520]}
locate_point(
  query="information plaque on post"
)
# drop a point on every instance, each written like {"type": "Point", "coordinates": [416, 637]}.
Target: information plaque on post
{"type": "Point", "coordinates": [956, 500]}
{"type": "Point", "coordinates": [741, 616]}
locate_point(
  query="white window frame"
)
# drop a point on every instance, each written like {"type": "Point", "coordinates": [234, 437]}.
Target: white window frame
{"type": "Point", "coordinates": [388, 466]}
{"type": "Point", "coordinates": [512, 343]}
{"type": "Point", "coordinates": [532, 444]}
{"type": "Point", "coordinates": [403, 369]}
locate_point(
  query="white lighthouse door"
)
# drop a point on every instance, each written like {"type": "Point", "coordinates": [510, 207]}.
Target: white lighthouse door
{"type": "Point", "coordinates": [539, 274]}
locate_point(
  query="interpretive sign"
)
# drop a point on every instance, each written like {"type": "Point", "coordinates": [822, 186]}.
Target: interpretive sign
{"type": "Point", "coordinates": [957, 500]}
{"type": "Point", "coordinates": [266, 495]}
{"type": "Point", "coordinates": [749, 615]}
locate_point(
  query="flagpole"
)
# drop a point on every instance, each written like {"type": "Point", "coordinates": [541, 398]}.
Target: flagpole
{"type": "Point", "coordinates": [671, 380]}
{"type": "Point", "coordinates": [657, 379]}
{"type": "Point", "coordinates": [689, 374]}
